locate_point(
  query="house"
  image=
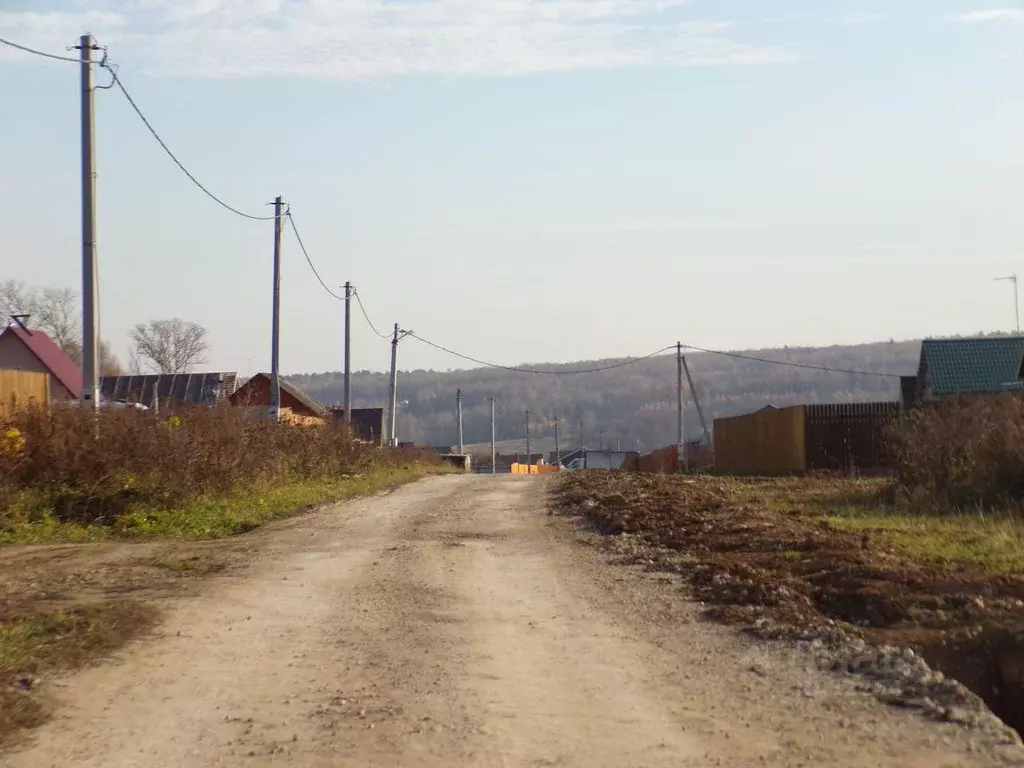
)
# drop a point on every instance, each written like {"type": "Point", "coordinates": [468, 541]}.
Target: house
{"type": "Point", "coordinates": [983, 366]}
{"type": "Point", "coordinates": [256, 392]}
{"type": "Point", "coordinates": [367, 423]}
{"type": "Point", "coordinates": [209, 389]}
{"type": "Point", "coordinates": [25, 349]}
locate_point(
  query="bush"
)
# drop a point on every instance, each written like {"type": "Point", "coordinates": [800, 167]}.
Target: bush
{"type": "Point", "coordinates": [93, 468]}
{"type": "Point", "coordinates": [962, 453]}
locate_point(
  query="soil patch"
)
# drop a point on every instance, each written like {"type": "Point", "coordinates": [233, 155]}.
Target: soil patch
{"type": "Point", "coordinates": [757, 567]}
{"type": "Point", "coordinates": [62, 607]}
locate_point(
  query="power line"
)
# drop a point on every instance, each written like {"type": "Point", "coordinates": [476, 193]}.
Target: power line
{"type": "Point", "coordinates": [170, 154]}
{"type": "Point", "coordinates": [309, 261]}
{"type": "Point", "coordinates": [44, 54]}
{"type": "Point", "coordinates": [369, 322]}
{"type": "Point", "coordinates": [806, 366]}
{"type": "Point", "coordinates": [623, 364]}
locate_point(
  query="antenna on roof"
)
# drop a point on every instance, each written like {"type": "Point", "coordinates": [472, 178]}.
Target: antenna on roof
{"type": "Point", "coordinates": [21, 320]}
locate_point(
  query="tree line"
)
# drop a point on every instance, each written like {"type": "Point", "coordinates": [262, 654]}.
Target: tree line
{"type": "Point", "coordinates": [634, 406]}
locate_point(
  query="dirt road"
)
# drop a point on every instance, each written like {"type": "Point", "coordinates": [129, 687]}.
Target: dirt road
{"type": "Point", "coordinates": [454, 623]}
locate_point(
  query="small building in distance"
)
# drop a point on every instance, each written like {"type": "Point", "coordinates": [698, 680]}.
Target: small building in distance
{"type": "Point", "coordinates": [256, 393]}
{"type": "Point", "coordinates": [172, 389]}
{"type": "Point", "coordinates": [367, 423]}
{"type": "Point", "coordinates": [957, 367]}
{"type": "Point", "coordinates": [25, 349]}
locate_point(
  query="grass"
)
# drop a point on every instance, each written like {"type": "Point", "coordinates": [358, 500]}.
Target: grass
{"type": "Point", "coordinates": [31, 646]}
{"type": "Point", "coordinates": [991, 542]}
{"type": "Point", "coordinates": [217, 517]}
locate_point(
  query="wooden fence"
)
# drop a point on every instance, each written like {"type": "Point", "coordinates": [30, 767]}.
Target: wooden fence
{"type": "Point", "coordinates": [767, 441]}
{"type": "Point", "coordinates": [19, 388]}
{"type": "Point", "coordinates": [841, 436]}
{"type": "Point", "coordinates": [848, 436]}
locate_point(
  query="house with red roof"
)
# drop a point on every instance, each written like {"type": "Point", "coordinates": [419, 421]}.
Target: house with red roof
{"type": "Point", "coordinates": [25, 349]}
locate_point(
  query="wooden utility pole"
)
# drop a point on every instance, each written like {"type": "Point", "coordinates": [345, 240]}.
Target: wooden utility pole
{"type": "Point", "coordinates": [348, 352]}
{"type": "Point", "coordinates": [90, 332]}
{"type": "Point", "coordinates": [275, 333]}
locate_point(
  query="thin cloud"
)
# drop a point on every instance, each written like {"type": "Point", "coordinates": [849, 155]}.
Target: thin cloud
{"type": "Point", "coordinates": [361, 39]}
{"type": "Point", "coordinates": [994, 15]}
{"type": "Point", "coordinates": [862, 20]}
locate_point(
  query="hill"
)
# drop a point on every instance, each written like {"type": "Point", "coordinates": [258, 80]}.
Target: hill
{"type": "Point", "coordinates": [634, 405]}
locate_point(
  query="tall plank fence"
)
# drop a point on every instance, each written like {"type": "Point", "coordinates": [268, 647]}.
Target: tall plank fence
{"type": "Point", "coordinates": [848, 436]}
{"type": "Point", "coordinates": [840, 437]}
{"type": "Point", "coordinates": [21, 388]}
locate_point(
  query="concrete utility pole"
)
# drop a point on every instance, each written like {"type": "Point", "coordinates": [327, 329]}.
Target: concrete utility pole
{"type": "Point", "coordinates": [458, 408]}
{"type": "Point", "coordinates": [493, 452]}
{"type": "Point", "coordinates": [348, 352]}
{"type": "Point", "coordinates": [393, 393]}
{"type": "Point", "coordinates": [275, 333]}
{"type": "Point", "coordinates": [90, 332]}
{"type": "Point", "coordinates": [393, 399]}
{"type": "Point", "coordinates": [558, 453]}
{"type": "Point", "coordinates": [529, 456]}
{"type": "Point", "coordinates": [681, 448]}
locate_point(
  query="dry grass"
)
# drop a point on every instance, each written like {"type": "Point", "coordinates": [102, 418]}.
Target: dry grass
{"type": "Point", "coordinates": [67, 474]}
{"type": "Point", "coordinates": [960, 454]}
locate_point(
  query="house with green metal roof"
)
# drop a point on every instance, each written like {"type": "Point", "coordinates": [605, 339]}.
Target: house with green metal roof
{"type": "Point", "coordinates": [984, 366]}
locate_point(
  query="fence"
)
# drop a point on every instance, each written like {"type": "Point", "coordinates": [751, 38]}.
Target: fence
{"type": "Point", "coordinates": [848, 436]}
{"type": "Point", "coordinates": [841, 436]}
{"type": "Point", "coordinates": [533, 469]}
{"type": "Point", "coordinates": [767, 441]}
{"type": "Point", "coordinates": [19, 388]}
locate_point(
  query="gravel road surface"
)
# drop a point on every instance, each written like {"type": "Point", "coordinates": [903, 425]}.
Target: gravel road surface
{"type": "Point", "coordinates": [455, 623]}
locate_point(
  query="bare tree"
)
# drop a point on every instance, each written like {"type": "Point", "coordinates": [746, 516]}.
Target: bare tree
{"type": "Point", "coordinates": [54, 311]}
{"type": "Point", "coordinates": [168, 346]}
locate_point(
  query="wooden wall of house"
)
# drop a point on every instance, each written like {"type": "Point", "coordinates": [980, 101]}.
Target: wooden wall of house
{"type": "Point", "coordinates": [767, 442]}
{"type": "Point", "coordinates": [21, 388]}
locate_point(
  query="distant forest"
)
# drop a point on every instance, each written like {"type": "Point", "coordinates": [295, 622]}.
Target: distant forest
{"type": "Point", "coordinates": [635, 404]}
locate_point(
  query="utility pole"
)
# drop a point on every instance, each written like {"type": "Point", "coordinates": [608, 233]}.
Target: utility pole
{"type": "Point", "coordinates": [348, 353]}
{"type": "Point", "coordinates": [458, 408]}
{"type": "Point", "coordinates": [558, 453]}
{"type": "Point", "coordinates": [393, 394]}
{"type": "Point", "coordinates": [583, 447]}
{"type": "Point", "coordinates": [680, 447]}
{"type": "Point", "coordinates": [600, 439]}
{"type": "Point", "coordinates": [90, 332]}
{"type": "Point", "coordinates": [275, 334]}
{"type": "Point", "coordinates": [529, 456]}
{"type": "Point", "coordinates": [493, 452]}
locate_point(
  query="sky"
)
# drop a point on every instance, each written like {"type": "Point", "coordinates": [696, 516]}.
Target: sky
{"type": "Point", "coordinates": [527, 180]}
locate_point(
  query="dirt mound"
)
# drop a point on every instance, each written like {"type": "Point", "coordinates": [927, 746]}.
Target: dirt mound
{"type": "Point", "coordinates": [773, 572]}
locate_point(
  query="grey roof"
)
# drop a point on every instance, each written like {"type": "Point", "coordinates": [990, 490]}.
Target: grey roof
{"type": "Point", "coordinates": [181, 388]}
{"type": "Point", "coordinates": [971, 366]}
